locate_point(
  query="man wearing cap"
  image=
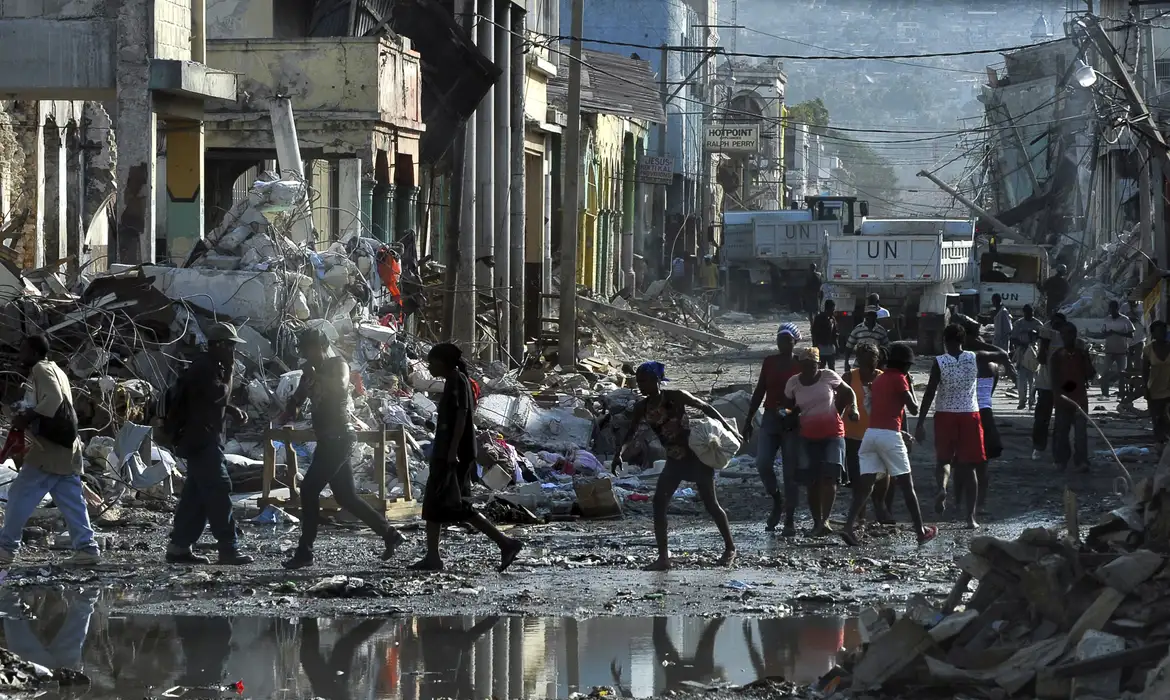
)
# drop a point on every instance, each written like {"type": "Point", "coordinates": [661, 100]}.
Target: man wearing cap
{"type": "Point", "coordinates": [867, 331]}
{"type": "Point", "coordinates": [201, 404]}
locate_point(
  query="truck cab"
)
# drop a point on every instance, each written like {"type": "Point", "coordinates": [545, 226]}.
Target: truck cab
{"type": "Point", "coordinates": [838, 209]}
{"type": "Point", "coordinates": [1016, 272]}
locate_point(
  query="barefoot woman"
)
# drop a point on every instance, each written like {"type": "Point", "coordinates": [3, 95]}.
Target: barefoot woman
{"type": "Point", "coordinates": [665, 410]}
{"type": "Point", "coordinates": [448, 491]}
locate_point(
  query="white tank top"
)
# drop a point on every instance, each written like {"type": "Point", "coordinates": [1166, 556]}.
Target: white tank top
{"type": "Point", "coordinates": [957, 386]}
{"type": "Point", "coordinates": [985, 385]}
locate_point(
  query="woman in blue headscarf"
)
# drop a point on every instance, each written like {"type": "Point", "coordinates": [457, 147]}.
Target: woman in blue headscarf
{"type": "Point", "coordinates": [665, 410]}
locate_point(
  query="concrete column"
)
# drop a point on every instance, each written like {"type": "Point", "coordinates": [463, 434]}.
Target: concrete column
{"type": "Point", "coordinates": [485, 162]}
{"type": "Point", "coordinates": [502, 232]}
{"type": "Point", "coordinates": [134, 236]}
{"type": "Point", "coordinates": [546, 260]}
{"type": "Point", "coordinates": [391, 209]}
{"type": "Point", "coordinates": [184, 178]}
{"type": "Point", "coordinates": [406, 210]}
{"type": "Point", "coordinates": [54, 202]}
{"type": "Point", "coordinates": [516, 271]}
{"type": "Point", "coordinates": [74, 200]}
{"type": "Point", "coordinates": [381, 211]}
{"type": "Point", "coordinates": [462, 329]}
{"type": "Point", "coordinates": [349, 197]}
{"type": "Point", "coordinates": [482, 659]}
{"type": "Point", "coordinates": [367, 212]}
{"type": "Point", "coordinates": [629, 198]}
{"type": "Point", "coordinates": [288, 154]}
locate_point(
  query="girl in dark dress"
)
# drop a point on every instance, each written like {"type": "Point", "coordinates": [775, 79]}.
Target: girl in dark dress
{"type": "Point", "coordinates": [666, 412]}
{"type": "Point", "coordinates": [447, 499]}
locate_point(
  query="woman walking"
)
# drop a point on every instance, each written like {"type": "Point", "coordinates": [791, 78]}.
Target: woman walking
{"type": "Point", "coordinates": [447, 499]}
{"type": "Point", "coordinates": [778, 429]}
{"type": "Point", "coordinates": [325, 380]}
{"type": "Point", "coordinates": [665, 410]}
{"type": "Point", "coordinates": [821, 396]}
{"type": "Point", "coordinates": [861, 380]}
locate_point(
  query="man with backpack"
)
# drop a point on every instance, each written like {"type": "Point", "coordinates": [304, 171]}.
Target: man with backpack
{"type": "Point", "coordinates": [53, 462]}
{"type": "Point", "coordinates": [195, 417]}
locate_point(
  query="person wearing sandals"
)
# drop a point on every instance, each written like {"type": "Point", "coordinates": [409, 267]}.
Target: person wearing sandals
{"type": "Point", "coordinates": [821, 396]}
{"type": "Point", "coordinates": [665, 411]}
{"type": "Point", "coordinates": [884, 450]}
{"type": "Point", "coordinates": [447, 499]}
{"type": "Point", "coordinates": [325, 380]}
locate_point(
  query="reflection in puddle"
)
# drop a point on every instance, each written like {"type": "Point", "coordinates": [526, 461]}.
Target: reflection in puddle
{"type": "Point", "coordinates": [409, 658]}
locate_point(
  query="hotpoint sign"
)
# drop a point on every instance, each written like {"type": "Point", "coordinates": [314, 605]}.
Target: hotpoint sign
{"type": "Point", "coordinates": [731, 138]}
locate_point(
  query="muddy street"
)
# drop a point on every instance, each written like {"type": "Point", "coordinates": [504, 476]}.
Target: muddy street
{"type": "Point", "coordinates": [551, 625]}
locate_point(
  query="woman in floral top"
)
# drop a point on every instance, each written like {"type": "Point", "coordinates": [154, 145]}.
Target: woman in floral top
{"type": "Point", "coordinates": [665, 411]}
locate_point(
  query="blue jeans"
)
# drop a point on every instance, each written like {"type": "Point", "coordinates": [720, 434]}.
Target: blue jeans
{"type": "Point", "coordinates": [206, 500]}
{"type": "Point", "coordinates": [772, 439]}
{"type": "Point", "coordinates": [25, 494]}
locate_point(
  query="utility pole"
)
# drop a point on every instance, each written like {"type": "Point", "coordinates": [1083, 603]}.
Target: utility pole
{"type": "Point", "coordinates": [1143, 120]}
{"type": "Point", "coordinates": [567, 320]}
{"type": "Point", "coordinates": [1000, 226]}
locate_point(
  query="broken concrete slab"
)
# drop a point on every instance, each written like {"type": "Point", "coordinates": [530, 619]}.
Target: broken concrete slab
{"type": "Point", "coordinates": [888, 654]}
{"type": "Point", "coordinates": [1107, 683]}
{"type": "Point", "coordinates": [1129, 571]}
{"type": "Point", "coordinates": [952, 625]}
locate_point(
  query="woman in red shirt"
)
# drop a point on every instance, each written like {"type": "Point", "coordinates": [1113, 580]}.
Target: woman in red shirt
{"type": "Point", "coordinates": [884, 450]}
{"type": "Point", "coordinates": [821, 396]}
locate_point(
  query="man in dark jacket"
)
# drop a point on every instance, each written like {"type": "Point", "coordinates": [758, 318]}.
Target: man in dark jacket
{"type": "Point", "coordinates": [196, 421]}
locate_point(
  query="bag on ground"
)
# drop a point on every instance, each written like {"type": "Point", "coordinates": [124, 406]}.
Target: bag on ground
{"type": "Point", "coordinates": [712, 443]}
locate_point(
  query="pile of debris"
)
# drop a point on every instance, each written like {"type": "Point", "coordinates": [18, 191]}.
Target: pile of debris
{"type": "Point", "coordinates": [1052, 617]}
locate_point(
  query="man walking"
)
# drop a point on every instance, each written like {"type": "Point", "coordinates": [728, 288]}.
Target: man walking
{"type": "Point", "coordinates": [825, 335]}
{"type": "Point", "coordinates": [869, 330]}
{"type": "Point", "coordinates": [1072, 370]}
{"type": "Point", "coordinates": [196, 419]}
{"type": "Point", "coordinates": [1118, 330]}
{"type": "Point", "coordinates": [1001, 318]}
{"type": "Point", "coordinates": [1024, 333]}
{"type": "Point", "coordinates": [53, 462]}
{"type": "Point", "coordinates": [811, 294]}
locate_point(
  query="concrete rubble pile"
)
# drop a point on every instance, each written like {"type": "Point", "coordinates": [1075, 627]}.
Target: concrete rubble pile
{"type": "Point", "coordinates": [124, 336]}
{"type": "Point", "coordinates": [1110, 273]}
{"type": "Point", "coordinates": [1051, 617]}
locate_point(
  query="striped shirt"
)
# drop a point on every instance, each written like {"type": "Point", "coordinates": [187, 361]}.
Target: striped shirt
{"type": "Point", "coordinates": [862, 333]}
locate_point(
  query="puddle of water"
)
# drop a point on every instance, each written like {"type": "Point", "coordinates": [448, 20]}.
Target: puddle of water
{"type": "Point", "coordinates": [407, 658]}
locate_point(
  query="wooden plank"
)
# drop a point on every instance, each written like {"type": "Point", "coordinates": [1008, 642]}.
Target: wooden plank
{"type": "Point", "coordinates": [402, 465]}
{"type": "Point", "coordinates": [666, 326]}
{"type": "Point", "coordinates": [269, 470]}
{"type": "Point", "coordinates": [292, 471]}
{"type": "Point", "coordinates": [380, 464]}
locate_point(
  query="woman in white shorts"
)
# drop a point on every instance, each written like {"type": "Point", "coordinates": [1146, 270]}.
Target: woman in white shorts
{"type": "Point", "coordinates": [883, 450]}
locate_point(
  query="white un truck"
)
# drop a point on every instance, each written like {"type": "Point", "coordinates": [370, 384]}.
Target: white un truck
{"type": "Point", "coordinates": [768, 253]}
{"type": "Point", "coordinates": [913, 264]}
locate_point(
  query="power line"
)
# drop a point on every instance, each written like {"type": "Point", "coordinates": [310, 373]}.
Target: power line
{"type": "Point", "coordinates": [849, 53]}
{"type": "Point", "coordinates": [795, 57]}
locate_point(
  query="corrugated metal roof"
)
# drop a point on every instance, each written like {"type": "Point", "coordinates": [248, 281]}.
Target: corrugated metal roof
{"type": "Point", "coordinates": [612, 84]}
